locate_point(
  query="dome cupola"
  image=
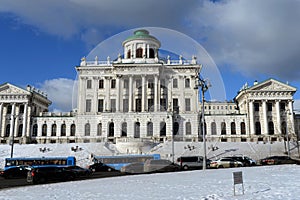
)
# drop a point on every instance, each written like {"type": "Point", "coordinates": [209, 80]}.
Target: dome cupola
{"type": "Point", "coordinates": [141, 45]}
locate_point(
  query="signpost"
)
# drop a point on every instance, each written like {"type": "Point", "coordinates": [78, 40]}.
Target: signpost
{"type": "Point", "coordinates": [237, 179]}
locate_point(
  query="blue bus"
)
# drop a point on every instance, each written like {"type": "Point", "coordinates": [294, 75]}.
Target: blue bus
{"type": "Point", "coordinates": [38, 161]}
{"type": "Point", "coordinates": [117, 162]}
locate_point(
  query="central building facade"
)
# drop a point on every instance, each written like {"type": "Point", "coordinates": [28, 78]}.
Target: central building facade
{"type": "Point", "coordinates": [139, 95]}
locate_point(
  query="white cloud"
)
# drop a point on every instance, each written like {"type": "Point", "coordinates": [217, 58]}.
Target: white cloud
{"type": "Point", "coordinates": [253, 37]}
{"type": "Point", "coordinates": [60, 92]}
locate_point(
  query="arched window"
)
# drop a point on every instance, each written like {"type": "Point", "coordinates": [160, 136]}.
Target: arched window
{"type": "Point", "coordinates": [162, 131]}
{"type": "Point", "coordinates": [7, 130]}
{"type": "Point", "coordinates": [124, 129]}
{"type": "Point", "coordinates": [213, 128]}
{"type": "Point", "coordinates": [34, 130]}
{"type": "Point", "coordinates": [257, 128]}
{"type": "Point", "coordinates": [233, 130]}
{"type": "Point", "coordinates": [111, 129]}
{"type": "Point", "coordinates": [151, 53]}
{"type": "Point", "coordinates": [87, 129]}
{"type": "Point", "coordinates": [99, 129]}
{"type": "Point", "coordinates": [20, 130]}
{"type": "Point", "coordinates": [223, 128]}
{"type": "Point", "coordinates": [243, 128]}
{"type": "Point", "coordinates": [150, 129]}
{"type": "Point", "coordinates": [63, 130]}
{"type": "Point", "coordinates": [129, 53]}
{"type": "Point", "coordinates": [73, 129]}
{"type": "Point", "coordinates": [53, 130]}
{"type": "Point", "coordinates": [176, 128]}
{"type": "Point", "coordinates": [271, 128]}
{"type": "Point", "coordinates": [188, 128]}
{"type": "Point", "coordinates": [137, 127]}
{"type": "Point", "coordinates": [44, 130]}
{"type": "Point", "coordinates": [139, 53]}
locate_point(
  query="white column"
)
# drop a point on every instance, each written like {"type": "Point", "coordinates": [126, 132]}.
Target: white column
{"type": "Point", "coordinates": [277, 105]}
{"type": "Point", "coordinates": [156, 96]}
{"type": "Point", "coordinates": [130, 94]}
{"type": "Point", "coordinates": [251, 114]}
{"type": "Point", "coordinates": [95, 94]}
{"type": "Point", "coordinates": [25, 121]}
{"type": "Point", "coordinates": [265, 117]}
{"type": "Point", "coordinates": [12, 120]}
{"type": "Point", "coordinates": [291, 118]}
{"type": "Point", "coordinates": [1, 117]}
{"type": "Point", "coordinates": [107, 96]}
{"type": "Point", "coordinates": [118, 94]}
{"type": "Point", "coordinates": [4, 113]}
{"type": "Point", "coordinates": [28, 121]}
{"type": "Point", "coordinates": [170, 99]}
{"type": "Point", "coordinates": [144, 93]}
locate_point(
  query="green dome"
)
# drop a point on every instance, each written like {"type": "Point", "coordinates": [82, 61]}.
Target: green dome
{"type": "Point", "coordinates": [140, 34]}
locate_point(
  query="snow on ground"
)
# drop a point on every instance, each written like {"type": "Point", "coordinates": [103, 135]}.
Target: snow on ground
{"type": "Point", "coordinates": [268, 182]}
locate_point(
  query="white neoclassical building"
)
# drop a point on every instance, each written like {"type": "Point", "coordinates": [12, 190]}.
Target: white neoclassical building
{"type": "Point", "coordinates": [140, 97]}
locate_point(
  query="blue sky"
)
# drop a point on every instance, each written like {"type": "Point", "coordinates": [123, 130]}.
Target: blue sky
{"type": "Point", "coordinates": [42, 41]}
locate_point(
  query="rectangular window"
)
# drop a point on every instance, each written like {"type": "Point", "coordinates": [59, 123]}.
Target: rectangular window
{"type": "Point", "coordinates": [100, 105]}
{"type": "Point", "coordinates": [187, 83]}
{"type": "Point", "coordinates": [175, 83]}
{"type": "Point", "coordinates": [138, 105]}
{"type": "Point", "coordinates": [101, 84]}
{"type": "Point", "coordinates": [175, 106]}
{"type": "Point", "coordinates": [256, 106]}
{"type": "Point", "coordinates": [126, 84]}
{"type": "Point", "coordinates": [88, 105]}
{"type": "Point", "coordinates": [187, 105]}
{"type": "Point", "coordinates": [89, 84]}
{"type": "Point", "coordinates": [150, 84]}
{"type": "Point", "coordinates": [113, 105]}
{"type": "Point", "coordinates": [138, 83]}
{"type": "Point", "coordinates": [270, 106]}
{"type": "Point", "coordinates": [163, 105]}
{"type": "Point", "coordinates": [150, 104]}
{"type": "Point", "coordinates": [282, 106]}
{"type": "Point", "coordinates": [125, 105]}
{"type": "Point", "coordinates": [113, 83]}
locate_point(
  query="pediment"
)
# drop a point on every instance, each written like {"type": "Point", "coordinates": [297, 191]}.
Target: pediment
{"type": "Point", "coordinates": [9, 89]}
{"type": "Point", "coordinates": [272, 85]}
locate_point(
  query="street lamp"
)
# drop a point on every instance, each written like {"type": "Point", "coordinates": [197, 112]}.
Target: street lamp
{"type": "Point", "coordinates": [204, 84]}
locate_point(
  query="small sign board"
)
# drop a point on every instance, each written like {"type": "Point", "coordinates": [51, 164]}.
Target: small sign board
{"type": "Point", "coordinates": [238, 179]}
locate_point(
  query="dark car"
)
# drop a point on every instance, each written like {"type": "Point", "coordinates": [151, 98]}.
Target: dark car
{"type": "Point", "coordinates": [277, 160]}
{"type": "Point", "coordinates": [244, 159]}
{"type": "Point", "coordinates": [133, 168]}
{"type": "Point", "coordinates": [80, 171]}
{"type": "Point", "coordinates": [43, 174]}
{"type": "Point", "coordinates": [15, 172]}
{"type": "Point", "coordinates": [100, 167]}
{"type": "Point", "coordinates": [161, 165]}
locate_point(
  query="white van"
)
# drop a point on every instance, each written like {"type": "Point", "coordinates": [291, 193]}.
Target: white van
{"type": "Point", "coordinates": [191, 162]}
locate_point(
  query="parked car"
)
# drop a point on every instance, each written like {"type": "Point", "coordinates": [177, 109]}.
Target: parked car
{"type": "Point", "coordinates": [225, 163]}
{"type": "Point", "coordinates": [133, 168]}
{"type": "Point", "coordinates": [15, 172]}
{"type": "Point", "coordinates": [43, 174]}
{"type": "Point", "coordinates": [277, 160]}
{"type": "Point", "coordinates": [244, 159]}
{"type": "Point", "coordinates": [161, 165]}
{"type": "Point", "coordinates": [79, 171]}
{"type": "Point", "coordinates": [192, 162]}
{"type": "Point", "coordinates": [100, 167]}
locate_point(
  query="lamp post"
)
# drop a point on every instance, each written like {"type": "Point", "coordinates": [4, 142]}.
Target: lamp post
{"type": "Point", "coordinates": [204, 85]}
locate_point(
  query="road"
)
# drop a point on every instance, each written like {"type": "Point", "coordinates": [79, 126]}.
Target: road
{"type": "Point", "coordinates": [9, 183]}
